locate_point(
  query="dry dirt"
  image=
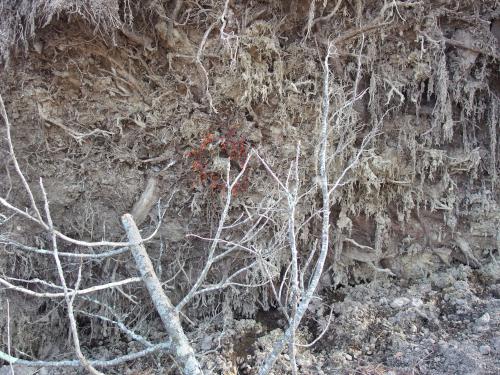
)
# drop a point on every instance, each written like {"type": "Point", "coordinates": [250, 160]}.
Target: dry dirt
{"type": "Point", "coordinates": [106, 108]}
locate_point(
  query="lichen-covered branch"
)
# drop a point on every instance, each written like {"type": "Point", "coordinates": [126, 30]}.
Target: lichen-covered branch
{"type": "Point", "coordinates": [182, 350]}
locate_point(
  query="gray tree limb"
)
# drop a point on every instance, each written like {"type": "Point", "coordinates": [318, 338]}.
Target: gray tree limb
{"type": "Point", "coordinates": [182, 351]}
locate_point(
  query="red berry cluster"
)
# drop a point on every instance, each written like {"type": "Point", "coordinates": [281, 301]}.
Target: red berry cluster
{"type": "Point", "coordinates": [229, 145]}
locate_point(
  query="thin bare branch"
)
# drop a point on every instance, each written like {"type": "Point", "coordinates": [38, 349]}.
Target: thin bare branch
{"type": "Point", "coordinates": [16, 164]}
{"type": "Point", "coordinates": [165, 346]}
{"type": "Point", "coordinates": [325, 237]}
{"type": "Point", "coordinates": [69, 299]}
{"type": "Point", "coordinates": [72, 240]}
{"type": "Point", "coordinates": [121, 326]}
{"type": "Point", "coordinates": [19, 246]}
{"type": "Point", "coordinates": [213, 247]}
{"type": "Point", "coordinates": [71, 292]}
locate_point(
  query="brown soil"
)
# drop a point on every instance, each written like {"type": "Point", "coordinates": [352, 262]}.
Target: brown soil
{"type": "Point", "coordinates": [104, 108]}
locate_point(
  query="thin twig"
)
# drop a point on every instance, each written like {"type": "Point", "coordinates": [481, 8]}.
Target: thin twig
{"type": "Point", "coordinates": [16, 164]}
{"type": "Point", "coordinates": [72, 240]}
{"type": "Point", "coordinates": [165, 346]}
{"type": "Point", "coordinates": [69, 299]}
{"type": "Point", "coordinates": [312, 343]}
{"type": "Point", "coordinates": [304, 304]}
{"type": "Point", "coordinates": [70, 291]}
{"type": "Point", "coordinates": [213, 247]}
{"type": "Point", "coordinates": [121, 326]}
{"type": "Point", "coordinates": [8, 335]}
{"type": "Point", "coordinates": [295, 293]}
{"type": "Point", "coordinates": [19, 246]}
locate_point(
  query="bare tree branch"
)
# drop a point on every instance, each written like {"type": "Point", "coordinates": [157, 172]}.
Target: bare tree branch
{"type": "Point", "coordinates": [166, 346]}
{"type": "Point", "coordinates": [70, 291]}
{"type": "Point", "coordinates": [69, 239]}
{"type": "Point", "coordinates": [19, 246]}
{"type": "Point", "coordinates": [69, 299]}
{"type": "Point", "coordinates": [183, 353]}
{"type": "Point", "coordinates": [121, 326]}
{"type": "Point", "coordinates": [16, 164]}
{"type": "Point", "coordinates": [306, 298]}
{"type": "Point", "coordinates": [213, 247]}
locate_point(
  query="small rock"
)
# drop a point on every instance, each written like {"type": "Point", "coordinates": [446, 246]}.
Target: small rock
{"type": "Point", "coordinates": [484, 319]}
{"type": "Point", "coordinates": [356, 353]}
{"type": "Point", "coordinates": [480, 328]}
{"type": "Point", "coordinates": [399, 302]}
{"type": "Point", "coordinates": [416, 302]}
{"type": "Point", "coordinates": [454, 343]}
{"type": "Point", "coordinates": [38, 47]}
{"type": "Point", "coordinates": [485, 349]}
{"type": "Point", "coordinates": [206, 344]}
{"type": "Point", "coordinates": [443, 345]}
{"type": "Point", "coordinates": [348, 356]}
{"type": "Point", "coordinates": [245, 368]}
{"type": "Point", "coordinates": [303, 362]}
